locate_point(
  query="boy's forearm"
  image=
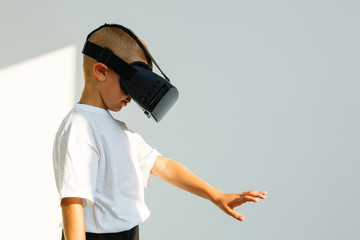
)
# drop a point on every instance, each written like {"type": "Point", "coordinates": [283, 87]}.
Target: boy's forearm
{"type": "Point", "coordinates": [73, 219]}
{"type": "Point", "coordinates": [178, 175]}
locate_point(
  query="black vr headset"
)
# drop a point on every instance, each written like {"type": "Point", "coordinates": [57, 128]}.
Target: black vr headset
{"type": "Point", "coordinates": [153, 93]}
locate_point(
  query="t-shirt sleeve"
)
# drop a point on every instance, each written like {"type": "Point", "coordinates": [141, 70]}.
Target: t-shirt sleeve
{"type": "Point", "coordinates": [76, 164]}
{"type": "Point", "coordinates": [146, 156]}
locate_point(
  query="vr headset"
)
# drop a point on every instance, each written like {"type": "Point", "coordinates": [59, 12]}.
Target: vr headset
{"type": "Point", "coordinates": [153, 93]}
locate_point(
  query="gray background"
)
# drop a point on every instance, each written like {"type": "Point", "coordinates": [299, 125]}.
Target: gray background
{"type": "Point", "coordinates": [268, 100]}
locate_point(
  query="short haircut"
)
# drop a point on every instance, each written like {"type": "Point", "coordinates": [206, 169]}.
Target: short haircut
{"type": "Point", "coordinates": [119, 42]}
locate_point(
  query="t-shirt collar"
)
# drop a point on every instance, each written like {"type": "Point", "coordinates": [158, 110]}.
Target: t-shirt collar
{"type": "Point", "coordinates": [93, 109]}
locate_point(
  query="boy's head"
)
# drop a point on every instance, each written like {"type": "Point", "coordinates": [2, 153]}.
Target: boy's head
{"type": "Point", "coordinates": [102, 86]}
{"type": "Point", "coordinates": [120, 43]}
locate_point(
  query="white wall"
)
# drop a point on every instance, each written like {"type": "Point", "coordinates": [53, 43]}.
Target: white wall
{"type": "Point", "coordinates": [268, 100]}
{"type": "Point", "coordinates": [35, 95]}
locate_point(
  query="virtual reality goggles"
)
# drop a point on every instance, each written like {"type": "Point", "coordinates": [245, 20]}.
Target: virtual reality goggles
{"type": "Point", "coordinates": [153, 93]}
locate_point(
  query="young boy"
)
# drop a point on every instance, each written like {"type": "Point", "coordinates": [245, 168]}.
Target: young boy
{"type": "Point", "coordinates": [101, 167]}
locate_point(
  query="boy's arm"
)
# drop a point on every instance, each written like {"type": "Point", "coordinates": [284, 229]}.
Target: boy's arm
{"type": "Point", "coordinates": [179, 176]}
{"type": "Point", "coordinates": [73, 218]}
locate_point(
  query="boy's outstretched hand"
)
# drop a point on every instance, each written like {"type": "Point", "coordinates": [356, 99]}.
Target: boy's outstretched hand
{"type": "Point", "coordinates": [229, 201]}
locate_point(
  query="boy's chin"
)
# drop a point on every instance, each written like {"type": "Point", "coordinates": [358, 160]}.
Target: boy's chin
{"type": "Point", "coordinates": [116, 108]}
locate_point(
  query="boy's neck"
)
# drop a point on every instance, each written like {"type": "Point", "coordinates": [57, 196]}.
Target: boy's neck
{"type": "Point", "coordinates": [92, 98]}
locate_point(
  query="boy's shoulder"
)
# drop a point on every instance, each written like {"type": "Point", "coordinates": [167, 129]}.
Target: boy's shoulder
{"type": "Point", "coordinates": [81, 120]}
{"type": "Point", "coordinates": [75, 124]}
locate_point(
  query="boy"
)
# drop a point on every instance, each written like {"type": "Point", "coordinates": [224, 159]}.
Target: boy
{"type": "Point", "coordinates": [101, 167]}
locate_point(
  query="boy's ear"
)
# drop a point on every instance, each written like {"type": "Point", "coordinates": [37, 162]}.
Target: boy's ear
{"type": "Point", "coordinates": [100, 71]}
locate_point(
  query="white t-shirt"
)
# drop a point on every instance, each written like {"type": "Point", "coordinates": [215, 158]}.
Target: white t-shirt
{"type": "Point", "coordinates": [97, 158]}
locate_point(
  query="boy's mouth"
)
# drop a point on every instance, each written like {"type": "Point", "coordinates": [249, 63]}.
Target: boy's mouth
{"type": "Point", "coordinates": [126, 102]}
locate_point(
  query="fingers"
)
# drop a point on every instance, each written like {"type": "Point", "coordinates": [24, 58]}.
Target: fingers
{"type": "Point", "coordinates": [241, 200]}
{"type": "Point", "coordinates": [249, 196]}
{"type": "Point", "coordinates": [255, 193]}
{"type": "Point", "coordinates": [251, 199]}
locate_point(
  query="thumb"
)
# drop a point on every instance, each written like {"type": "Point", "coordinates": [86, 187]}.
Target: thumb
{"type": "Point", "coordinates": [235, 214]}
